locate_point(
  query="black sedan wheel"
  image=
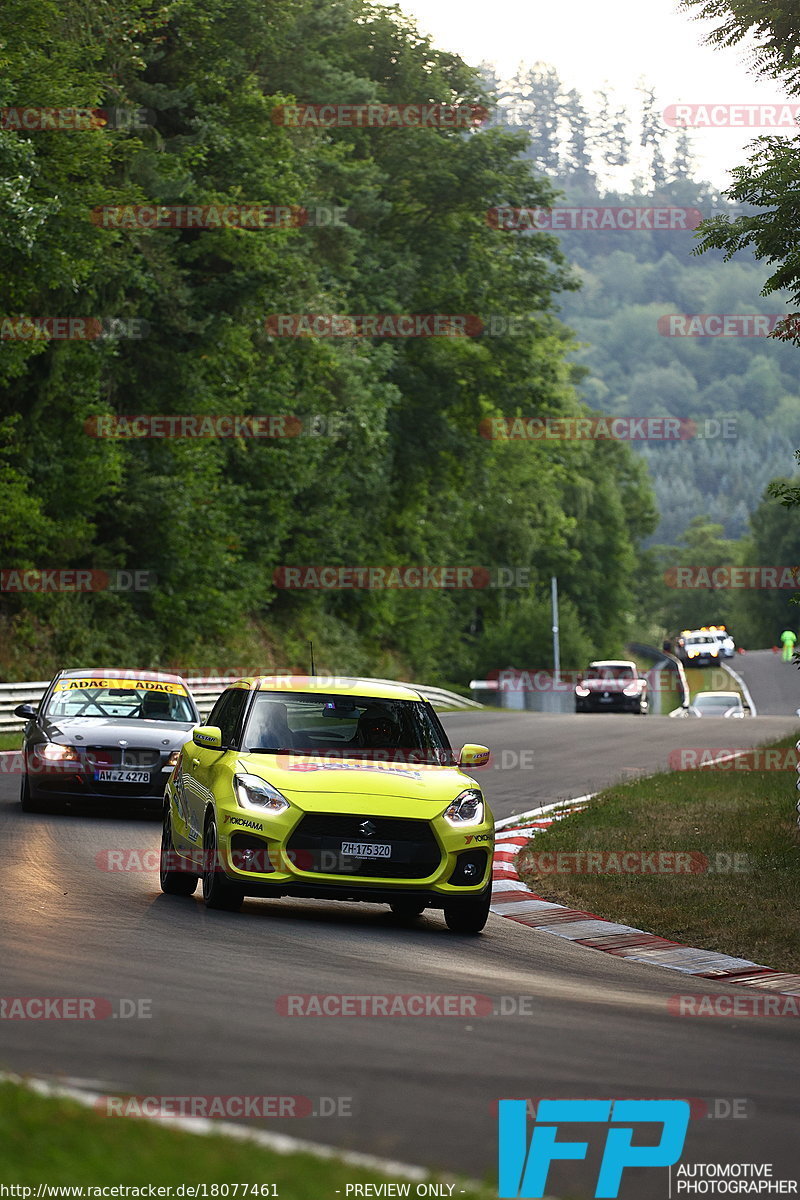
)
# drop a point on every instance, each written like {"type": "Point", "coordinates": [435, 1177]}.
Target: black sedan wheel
{"type": "Point", "coordinates": [26, 800]}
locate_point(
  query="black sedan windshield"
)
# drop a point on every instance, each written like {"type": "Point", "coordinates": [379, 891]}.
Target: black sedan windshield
{"type": "Point", "coordinates": [137, 700]}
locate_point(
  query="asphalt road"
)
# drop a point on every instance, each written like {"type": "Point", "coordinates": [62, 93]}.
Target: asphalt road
{"type": "Point", "coordinates": [422, 1089]}
{"type": "Point", "coordinates": [538, 758]}
{"type": "Point", "coordinates": [774, 684]}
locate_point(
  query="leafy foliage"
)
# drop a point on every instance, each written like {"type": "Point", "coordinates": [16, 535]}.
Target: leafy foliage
{"type": "Point", "coordinates": [390, 466]}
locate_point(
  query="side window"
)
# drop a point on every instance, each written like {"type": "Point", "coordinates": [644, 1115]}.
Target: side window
{"type": "Point", "coordinates": [227, 712]}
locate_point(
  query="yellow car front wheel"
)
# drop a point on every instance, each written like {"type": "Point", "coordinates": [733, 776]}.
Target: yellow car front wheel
{"type": "Point", "coordinates": [218, 892]}
{"type": "Point", "coordinates": [468, 914]}
{"type": "Point", "coordinates": [175, 882]}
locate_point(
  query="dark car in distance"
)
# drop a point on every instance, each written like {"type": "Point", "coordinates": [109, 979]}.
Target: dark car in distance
{"type": "Point", "coordinates": [104, 735]}
{"type": "Point", "coordinates": [611, 685]}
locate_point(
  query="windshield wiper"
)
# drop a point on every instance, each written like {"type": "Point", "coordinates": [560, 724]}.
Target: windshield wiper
{"type": "Point", "coordinates": [272, 750]}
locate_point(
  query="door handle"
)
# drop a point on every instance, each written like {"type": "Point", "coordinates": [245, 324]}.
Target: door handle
{"type": "Point", "coordinates": [195, 762]}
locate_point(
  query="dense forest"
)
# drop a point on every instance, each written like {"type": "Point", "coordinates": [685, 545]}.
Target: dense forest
{"type": "Point", "coordinates": [721, 493]}
{"type": "Point", "coordinates": [389, 466]}
{"type": "Point", "coordinates": [599, 153]}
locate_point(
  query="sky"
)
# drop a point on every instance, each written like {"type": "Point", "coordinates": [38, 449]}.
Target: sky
{"type": "Point", "coordinates": [616, 42]}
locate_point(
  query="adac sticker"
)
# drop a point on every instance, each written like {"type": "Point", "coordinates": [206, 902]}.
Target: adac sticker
{"type": "Point", "coordinates": [145, 685]}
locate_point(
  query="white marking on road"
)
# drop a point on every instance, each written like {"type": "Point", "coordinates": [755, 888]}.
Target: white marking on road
{"type": "Point", "coordinates": [745, 689]}
{"type": "Point", "coordinates": [517, 818]}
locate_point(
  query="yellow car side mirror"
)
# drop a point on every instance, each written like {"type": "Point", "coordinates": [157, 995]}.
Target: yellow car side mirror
{"type": "Point", "coordinates": [473, 756]}
{"type": "Point", "coordinates": [208, 736]}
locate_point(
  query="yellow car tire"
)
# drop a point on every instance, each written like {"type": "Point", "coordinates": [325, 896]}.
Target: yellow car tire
{"type": "Point", "coordinates": [218, 892]}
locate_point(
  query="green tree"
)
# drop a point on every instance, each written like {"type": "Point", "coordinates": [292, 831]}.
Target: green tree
{"type": "Point", "coordinates": [702, 546]}
{"type": "Point", "coordinates": [774, 540]}
{"type": "Point", "coordinates": [774, 25]}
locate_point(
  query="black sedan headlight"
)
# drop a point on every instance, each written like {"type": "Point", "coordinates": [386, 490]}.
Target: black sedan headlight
{"type": "Point", "coordinates": [55, 752]}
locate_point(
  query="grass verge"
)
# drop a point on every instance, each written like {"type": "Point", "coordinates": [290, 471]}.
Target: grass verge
{"type": "Point", "coordinates": [748, 910]}
{"type": "Point", "coordinates": [60, 1142]}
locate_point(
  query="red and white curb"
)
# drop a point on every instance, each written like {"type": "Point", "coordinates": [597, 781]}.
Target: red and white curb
{"type": "Point", "coordinates": [511, 899]}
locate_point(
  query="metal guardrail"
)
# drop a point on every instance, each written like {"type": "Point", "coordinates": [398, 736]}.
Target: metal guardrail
{"type": "Point", "coordinates": [206, 690]}
{"type": "Point", "coordinates": [12, 694]}
{"type": "Point", "coordinates": [664, 659]}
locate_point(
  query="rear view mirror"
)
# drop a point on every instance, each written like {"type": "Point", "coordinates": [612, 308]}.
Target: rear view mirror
{"type": "Point", "coordinates": [345, 709]}
{"type": "Point", "coordinates": [28, 711]}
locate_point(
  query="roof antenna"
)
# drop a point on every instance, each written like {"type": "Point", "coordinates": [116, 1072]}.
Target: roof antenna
{"type": "Point", "coordinates": [311, 646]}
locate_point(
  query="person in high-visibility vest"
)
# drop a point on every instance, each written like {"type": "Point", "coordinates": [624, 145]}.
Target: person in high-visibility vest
{"type": "Point", "coordinates": [788, 640]}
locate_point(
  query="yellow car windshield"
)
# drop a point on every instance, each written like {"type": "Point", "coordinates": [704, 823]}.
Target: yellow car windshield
{"type": "Point", "coordinates": [346, 726]}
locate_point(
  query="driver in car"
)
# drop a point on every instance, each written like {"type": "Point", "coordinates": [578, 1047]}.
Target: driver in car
{"type": "Point", "coordinates": [377, 733]}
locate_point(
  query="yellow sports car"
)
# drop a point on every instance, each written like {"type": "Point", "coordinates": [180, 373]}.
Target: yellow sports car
{"type": "Point", "coordinates": [342, 789]}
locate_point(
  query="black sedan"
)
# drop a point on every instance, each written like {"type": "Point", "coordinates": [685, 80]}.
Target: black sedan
{"type": "Point", "coordinates": [104, 735]}
{"type": "Point", "coordinates": [611, 685]}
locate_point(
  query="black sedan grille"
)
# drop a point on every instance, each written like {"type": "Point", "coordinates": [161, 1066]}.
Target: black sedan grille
{"type": "Point", "coordinates": [610, 700]}
{"type": "Point", "coordinates": [119, 756]}
{"type": "Point", "coordinates": [316, 845]}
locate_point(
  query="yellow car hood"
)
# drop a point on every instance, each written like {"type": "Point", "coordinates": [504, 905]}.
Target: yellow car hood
{"type": "Point", "coordinates": [357, 777]}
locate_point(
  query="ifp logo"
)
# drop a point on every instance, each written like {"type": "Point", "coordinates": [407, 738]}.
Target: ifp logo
{"type": "Point", "coordinates": [523, 1170]}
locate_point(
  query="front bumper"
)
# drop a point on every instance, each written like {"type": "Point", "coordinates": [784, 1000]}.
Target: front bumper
{"type": "Point", "coordinates": [616, 702]}
{"type": "Point", "coordinates": [76, 783]}
{"type": "Point", "coordinates": [304, 853]}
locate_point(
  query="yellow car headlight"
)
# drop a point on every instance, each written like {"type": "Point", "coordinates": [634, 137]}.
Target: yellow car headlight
{"type": "Point", "coordinates": [466, 809]}
{"type": "Point", "coordinates": [254, 793]}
